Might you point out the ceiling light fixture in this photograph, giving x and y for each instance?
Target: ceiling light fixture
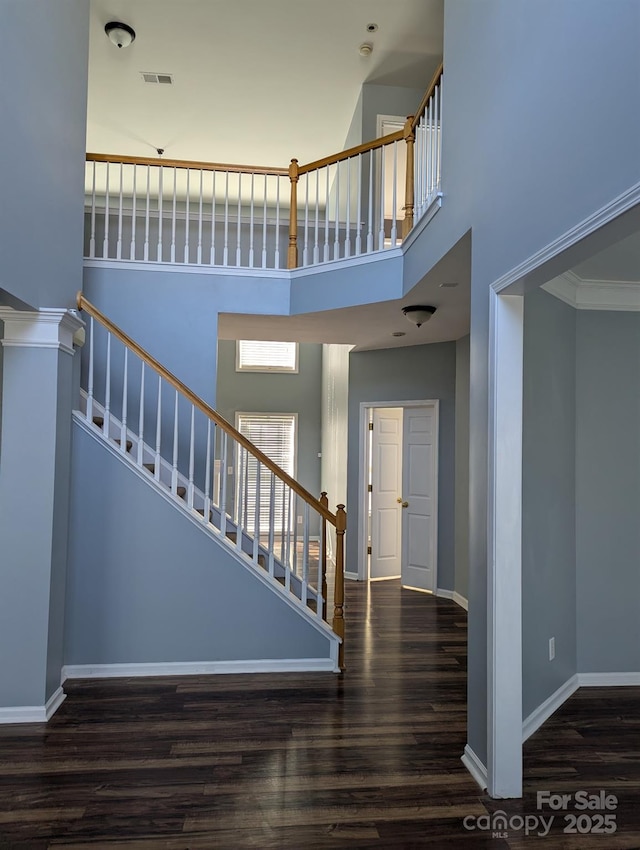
(418, 314)
(120, 34)
(366, 49)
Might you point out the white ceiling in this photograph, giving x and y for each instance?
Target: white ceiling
(620, 262)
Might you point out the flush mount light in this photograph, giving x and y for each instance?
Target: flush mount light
(120, 34)
(418, 313)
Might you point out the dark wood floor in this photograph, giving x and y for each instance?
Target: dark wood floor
(367, 760)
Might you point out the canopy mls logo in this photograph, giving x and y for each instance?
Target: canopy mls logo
(500, 824)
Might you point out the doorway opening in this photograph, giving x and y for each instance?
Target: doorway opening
(398, 534)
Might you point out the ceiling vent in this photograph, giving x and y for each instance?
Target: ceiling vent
(163, 79)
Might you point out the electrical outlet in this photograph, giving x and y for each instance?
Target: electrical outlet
(299, 520)
(230, 470)
(552, 648)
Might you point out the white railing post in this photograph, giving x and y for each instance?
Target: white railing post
(191, 458)
(174, 464)
(140, 453)
(90, 375)
(123, 424)
(156, 466)
(107, 390)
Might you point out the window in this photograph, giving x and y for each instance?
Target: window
(275, 435)
(254, 355)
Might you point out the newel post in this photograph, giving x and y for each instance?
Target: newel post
(292, 256)
(324, 501)
(338, 598)
(409, 200)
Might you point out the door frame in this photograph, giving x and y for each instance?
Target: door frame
(363, 439)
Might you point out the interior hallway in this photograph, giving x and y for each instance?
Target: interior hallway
(370, 759)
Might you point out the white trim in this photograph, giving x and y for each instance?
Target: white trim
(607, 213)
(454, 596)
(33, 713)
(45, 328)
(582, 294)
(608, 680)
(242, 558)
(188, 268)
(544, 711)
(363, 431)
(504, 546)
(351, 575)
(347, 262)
(423, 221)
(200, 668)
(475, 767)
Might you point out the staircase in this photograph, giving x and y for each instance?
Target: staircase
(208, 470)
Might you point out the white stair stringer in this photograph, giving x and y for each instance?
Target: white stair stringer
(293, 595)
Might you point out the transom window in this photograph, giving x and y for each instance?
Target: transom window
(256, 355)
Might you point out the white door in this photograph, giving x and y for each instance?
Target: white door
(419, 498)
(386, 479)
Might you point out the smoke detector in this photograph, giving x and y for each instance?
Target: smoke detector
(366, 49)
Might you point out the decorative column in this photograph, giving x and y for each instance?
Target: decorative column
(38, 392)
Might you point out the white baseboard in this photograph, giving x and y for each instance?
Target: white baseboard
(608, 680)
(200, 668)
(544, 711)
(475, 767)
(454, 596)
(33, 713)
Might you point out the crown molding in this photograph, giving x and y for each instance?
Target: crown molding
(584, 294)
(45, 328)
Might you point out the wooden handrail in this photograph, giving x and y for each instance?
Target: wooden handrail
(186, 163)
(316, 504)
(427, 95)
(339, 157)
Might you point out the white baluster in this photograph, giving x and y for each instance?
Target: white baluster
(187, 218)
(92, 237)
(429, 150)
(105, 239)
(325, 253)
(134, 198)
(206, 514)
(239, 223)
(382, 182)
(282, 530)
(172, 256)
(174, 466)
(276, 259)
(199, 250)
(141, 417)
(359, 208)
(240, 498)
(394, 198)
(251, 221)
(305, 551)
(316, 238)
(160, 212)
(119, 242)
(125, 393)
(225, 253)
(370, 224)
(191, 458)
(305, 249)
(107, 390)
(439, 136)
(347, 239)
(256, 514)
(146, 216)
(264, 222)
(286, 492)
(212, 255)
(293, 501)
(90, 376)
(156, 470)
(417, 173)
(224, 476)
(272, 520)
(336, 241)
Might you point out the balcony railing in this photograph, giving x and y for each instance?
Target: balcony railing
(356, 202)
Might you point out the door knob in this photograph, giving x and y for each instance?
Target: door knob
(405, 504)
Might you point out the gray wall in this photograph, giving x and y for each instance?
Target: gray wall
(43, 64)
(404, 374)
(145, 585)
(462, 468)
(260, 392)
(548, 497)
(608, 491)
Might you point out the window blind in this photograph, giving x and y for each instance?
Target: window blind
(254, 355)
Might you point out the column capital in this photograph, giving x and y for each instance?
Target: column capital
(45, 328)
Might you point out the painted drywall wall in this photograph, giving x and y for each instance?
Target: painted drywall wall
(461, 584)
(389, 100)
(335, 406)
(548, 497)
(519, 180)
(260, 392)
(403, 374)
(608, 491)
(43, 108)
(146, 585)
